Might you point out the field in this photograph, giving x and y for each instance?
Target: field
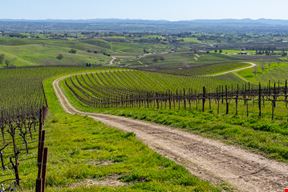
(182, 82)
(35, 52)
(265, 72)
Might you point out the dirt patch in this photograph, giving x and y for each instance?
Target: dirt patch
(111, 181)
(101, 163)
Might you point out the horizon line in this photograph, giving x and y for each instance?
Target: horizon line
(135, 19)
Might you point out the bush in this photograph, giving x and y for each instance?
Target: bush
(60, 57)
(73, 51)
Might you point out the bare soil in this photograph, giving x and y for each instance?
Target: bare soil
(112, 181)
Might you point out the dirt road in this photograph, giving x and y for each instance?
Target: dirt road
(112, 60)
(208, 159)
(233, 71)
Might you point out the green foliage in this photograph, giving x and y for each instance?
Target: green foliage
(60, 57)
(73, 51)
(265, 72)
(2, 58)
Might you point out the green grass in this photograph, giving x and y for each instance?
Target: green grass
(190, 40)
(186, 63)
(265, 72)
(236, 52)
(37, 54)
(31, 52)
(136, 48)
(207, 69)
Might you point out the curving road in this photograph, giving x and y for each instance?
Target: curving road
(112, 60)
(233, 71)
(208, 159)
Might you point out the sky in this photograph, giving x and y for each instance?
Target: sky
(143, 9)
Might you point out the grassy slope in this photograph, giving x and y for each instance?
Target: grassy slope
(76, 143)
(28, 52)
(37, 54)
(276, 71)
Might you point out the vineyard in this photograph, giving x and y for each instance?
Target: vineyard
(226, 108)
(22, 141)
(105, 85)
(23, 108)
(128, 88)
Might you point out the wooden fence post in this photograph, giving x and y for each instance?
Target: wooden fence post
(203, 99)
(218, 101)
(226, 98)
(169, 94)
(44, 167)
(236, 99)
(285, 93)
(39, 185)
(259, 100)
(274, 101)
(184, 98)
(40, 152)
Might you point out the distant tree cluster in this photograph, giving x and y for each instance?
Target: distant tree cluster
(145, 51)
(90, 51)
(284, 53)
(218, 51)
(4, 61)
(265, 51)
(92, 65)
(73, 51)
(60, 56)
(106, 54)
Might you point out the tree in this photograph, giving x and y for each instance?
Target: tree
(60, 57)
(73, 51)
(2, 58)
(7, 63)
(263, 67)
(255, 70)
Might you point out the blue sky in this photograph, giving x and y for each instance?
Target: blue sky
(143, 9)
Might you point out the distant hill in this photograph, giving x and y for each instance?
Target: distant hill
(151, 26)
